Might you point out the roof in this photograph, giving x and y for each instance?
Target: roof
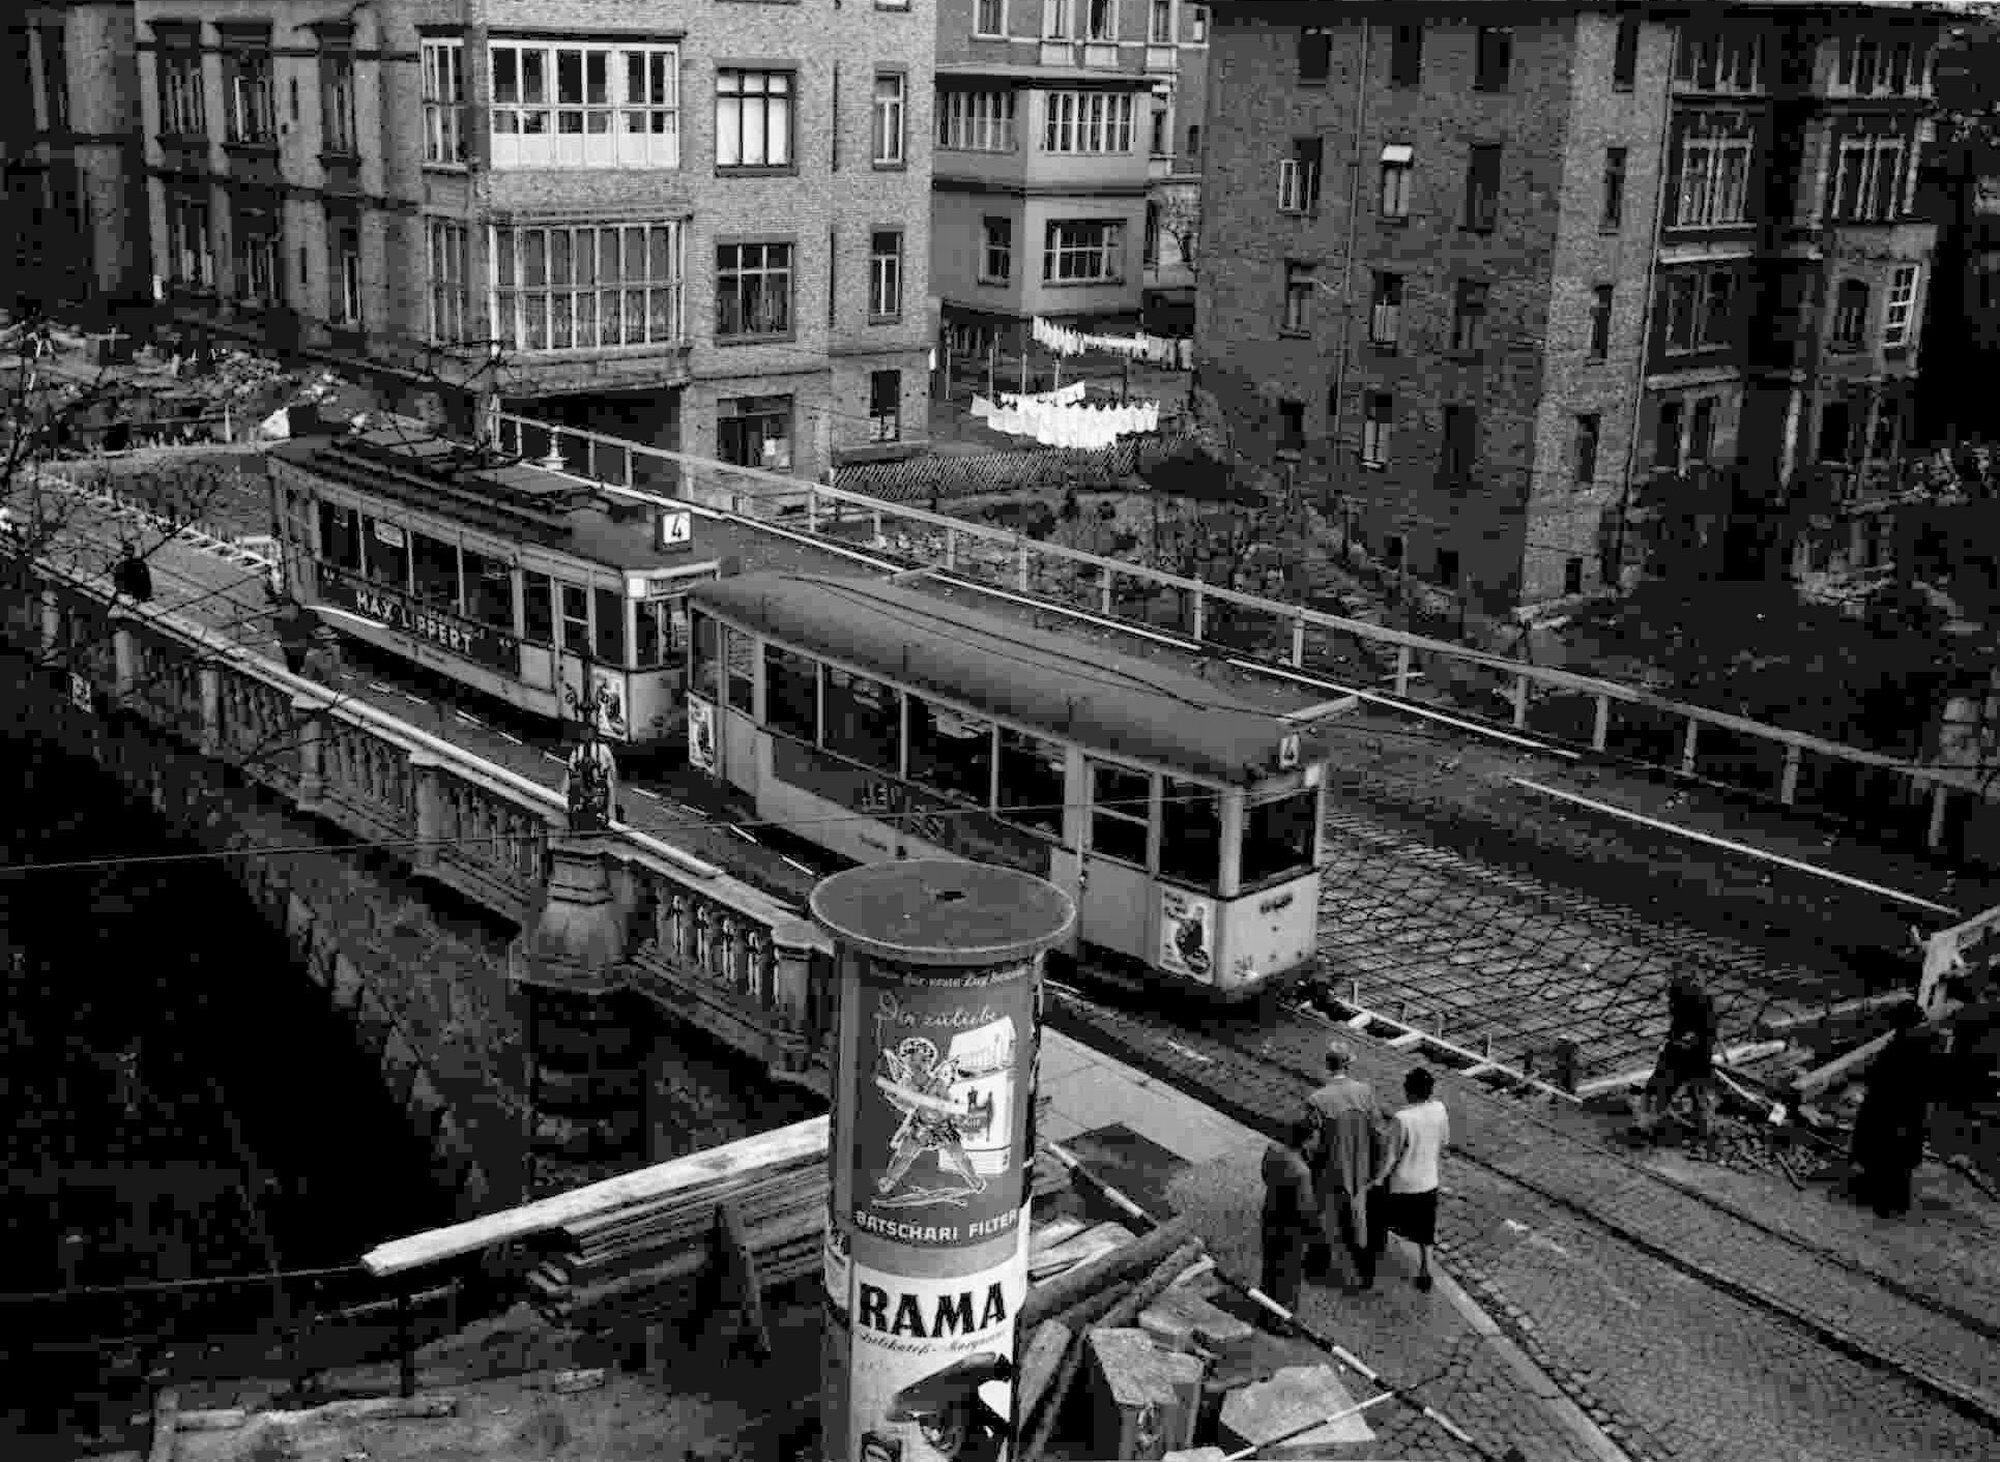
(1074, 688)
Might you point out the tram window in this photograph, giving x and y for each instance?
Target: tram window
(741, 648)
(436, 565)
(705, 657)
(1190, 833)
(388, 553)
(1278, 836)
(662, 630)
(1120, 812)
(489, 591)
(951, 753)
(1032, 781)
(791, 693)
(575, 617)
(864, 720)
(339, 541)
(610, 626)
(538, 608)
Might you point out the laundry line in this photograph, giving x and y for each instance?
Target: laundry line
(1071, 423)
(1153, 349)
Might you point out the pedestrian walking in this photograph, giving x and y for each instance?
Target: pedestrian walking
(1894, 1119)
(1687, 1061)
(1350, 1143)
(1291, 1211)
(1418, 1134)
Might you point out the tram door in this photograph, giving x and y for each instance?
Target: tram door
(1116, 893)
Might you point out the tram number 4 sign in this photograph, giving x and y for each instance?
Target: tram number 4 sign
(676, 529)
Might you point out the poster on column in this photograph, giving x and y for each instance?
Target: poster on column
(933, 1364)
(940, 1116)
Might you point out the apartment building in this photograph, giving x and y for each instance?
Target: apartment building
(69, 133)
(1067, 165)
(1587, 291)
(704, 225)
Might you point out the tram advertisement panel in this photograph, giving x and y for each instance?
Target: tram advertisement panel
(1187, 933)
(464, 638)
(701, 734)
(944, 1064)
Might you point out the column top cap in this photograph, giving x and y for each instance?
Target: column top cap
(943, 911)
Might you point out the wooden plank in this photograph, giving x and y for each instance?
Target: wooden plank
(1842, 1068)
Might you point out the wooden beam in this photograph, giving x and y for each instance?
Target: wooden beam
(1842, 1068)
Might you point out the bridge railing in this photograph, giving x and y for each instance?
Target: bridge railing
(1938, 806)
(742, 964)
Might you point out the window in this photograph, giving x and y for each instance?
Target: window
(659, 629)
(791, 693)
(610, 613)
(755, 431)
(1625, 53)
(1149, 244)
(1299, 285)
(996, 260)
(585, 288)
(387, 549)
(1900, 312)
(1160, 27)
(1161, 143)
(1378, 415)
(488, 589)
(247, 79)
(1055, 20)
(1190, 832)
(1836, 431)
(951, 752)
(1406, 55)
(538, 613)
(1086, 122)
(1714, 182)
(336, 102)
(1461, 432)
(183, 97)
(989, 18)
(885, 274)
(1279, 837)
(885, 406)
(1695, 62)
(1742, 67)
(1850, 315)
(585, 105)
(447, 253)
(1496, 56)
(1718, 304)
(1572, 576)
(976, 121)
(1315, 54)
(346, 284)
(1865, 182)
(1385, 311)
(1291, 426)
(339, 536)
(1588, 427)
(191, 257)
(55, 79)
(1392, 550)
(1447, 567)
(1701, 430)
(444, 103)
(1600, 322)
(1100, 20)
(1120, 812)
(258, 273)
(1899, 66)
(1032, 785)
(1482, 187)
(1858, 62)
(1298, 177)
(1614, 188)
(1083, 251)
(1468, 317)
(888, 135)
(753, 119)
(1198, 26)
(753, 289)
(864, 720)
(1667, 437)
(434, 571)
(1398, 165)
(1194, 140)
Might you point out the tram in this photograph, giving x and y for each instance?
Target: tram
(881, 721)
(525, 584)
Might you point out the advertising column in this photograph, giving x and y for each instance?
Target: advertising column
(930, 1154)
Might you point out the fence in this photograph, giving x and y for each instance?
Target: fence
(1027, 469)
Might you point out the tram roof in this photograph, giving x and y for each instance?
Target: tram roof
(1070, 687)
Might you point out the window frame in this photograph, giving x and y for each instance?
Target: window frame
(1315, 55)
(1299, 176)
(1721, 199)
(339, 121)
(183, 89)
(344, 294)
(1852, 306)
(1625, 54)
(1493, 57)
(736, 410)
(1301, 283)
(1406, 54)
(1378, 428)
(885, 424)
(989, 251)
(768, 75)
(980, 11)
(1385, 309)
(446, 98)
(448, 243)
(1396, 183)
(1482, 185)
(1063, 240)
(1252, 874)
(889, 121)
(1011, 745)
(250, 92)
(885, 275)
(1120, 817)
(977, 121)
(762, 269)
(617, 129)
(588, 293)
(1088, 123)
(1617, 160)
(1470, 301)
(1899, 307)
(1589, 442)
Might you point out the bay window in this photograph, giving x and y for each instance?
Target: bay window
(1087, 122)
(975, 121)
(1083, 251)
(588, 287)
(585, 105)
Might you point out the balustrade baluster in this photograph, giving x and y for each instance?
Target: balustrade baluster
(702, 936)
(759, 960)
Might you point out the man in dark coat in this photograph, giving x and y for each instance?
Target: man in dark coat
(1291, 1221)
(1894, 1119)
(1351, 1140)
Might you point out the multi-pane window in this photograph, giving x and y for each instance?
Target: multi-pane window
(1899, 314)
(753, 119)
(1377, 422)
(1711, 62)
(1667, 437)
(1083, 251)
(1291, 426)
(1625, 53)
(55, 78)
(336, 102)
(183, 97)
(885, 273)
(1398, 167)
(1714, 183)
(1468, 316)
(1100, 19)
(258, 268)
(251, 92)
(996, 256)
(1161, 144)
(989, 18)
(1589, 426)
(1867, 180)
(1385, 311)
(1198, 25)
(1406, 55)
(191, 256)
(756, 431)
(1160, 27)
(1715, 321)
(753, 289)
(345, 288)
(1056, 20)
(583, 288)
(1614, 188)
(1149, 243)
(1482, 187)
(1679, 296)
(1299, 287)
(1298, 176)
(885, 406)
(1495, 58)
(1087, 121)
(1600, 322)
(1864, 69)
(1315, 53)
(1850, 315)
(585, 105)
(1701, 430)
(976, 121)
(1461, 436)
(444, 102)
(888, 133)
(446, 242)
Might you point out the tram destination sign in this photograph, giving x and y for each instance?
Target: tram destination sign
(920, 814)
(468, 640)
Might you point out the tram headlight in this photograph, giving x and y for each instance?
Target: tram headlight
(635, 587)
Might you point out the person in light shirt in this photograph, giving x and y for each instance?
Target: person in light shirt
(1418, 1133)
